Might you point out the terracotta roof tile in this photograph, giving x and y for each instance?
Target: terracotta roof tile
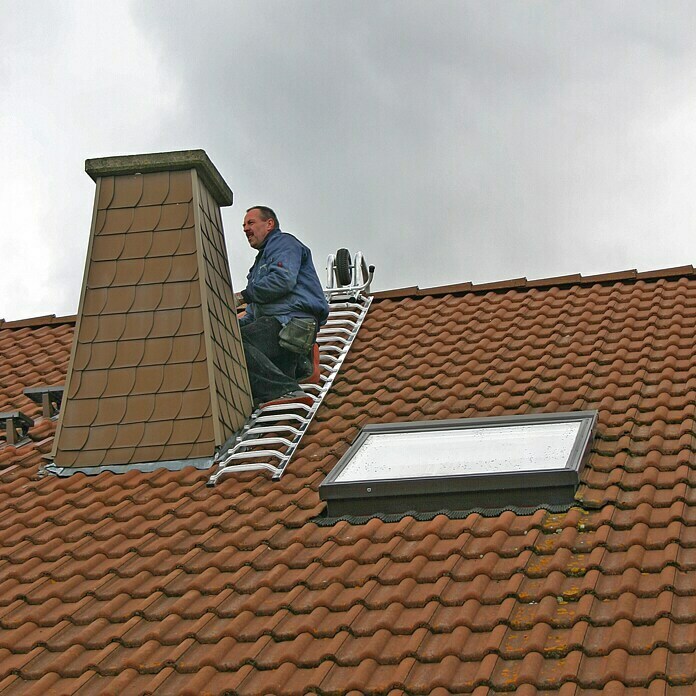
(154, 582)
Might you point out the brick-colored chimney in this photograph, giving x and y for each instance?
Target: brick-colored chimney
(157, 371)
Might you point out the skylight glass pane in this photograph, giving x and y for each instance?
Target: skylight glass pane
(461, 451)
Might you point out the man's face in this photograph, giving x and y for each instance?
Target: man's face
(256, 229)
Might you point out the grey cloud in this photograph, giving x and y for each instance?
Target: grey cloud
(447, 140)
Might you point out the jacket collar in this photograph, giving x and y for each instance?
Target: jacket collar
(272, 233)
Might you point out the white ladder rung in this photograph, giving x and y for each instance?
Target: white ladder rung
(260, 430)
(278, 418)
(257, 442)
(249, 455)
(334, 320)
(331, 339)
(340, 330)
(285, 407)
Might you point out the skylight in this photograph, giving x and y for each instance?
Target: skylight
(461, 464)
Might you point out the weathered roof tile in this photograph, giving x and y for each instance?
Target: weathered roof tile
(152, 581)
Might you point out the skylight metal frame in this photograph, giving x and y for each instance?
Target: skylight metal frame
(522, 488)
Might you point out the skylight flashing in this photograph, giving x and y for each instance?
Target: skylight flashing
(459, 464)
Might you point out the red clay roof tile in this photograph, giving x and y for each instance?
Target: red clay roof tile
(154, 582)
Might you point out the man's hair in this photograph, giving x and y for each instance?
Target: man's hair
(266, 214)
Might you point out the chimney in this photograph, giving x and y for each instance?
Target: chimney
(157, 371)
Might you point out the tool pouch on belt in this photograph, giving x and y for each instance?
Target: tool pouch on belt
(298, 335)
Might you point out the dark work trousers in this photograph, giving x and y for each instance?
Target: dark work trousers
(272, 369)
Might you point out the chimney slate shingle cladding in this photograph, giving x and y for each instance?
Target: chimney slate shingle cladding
(157, 370)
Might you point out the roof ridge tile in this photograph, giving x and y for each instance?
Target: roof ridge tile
(522, 282)
(32, 322)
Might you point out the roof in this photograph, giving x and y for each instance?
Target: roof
(155, 583)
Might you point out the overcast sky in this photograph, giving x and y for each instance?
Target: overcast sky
(448, 141)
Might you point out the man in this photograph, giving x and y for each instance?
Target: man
(285, 308)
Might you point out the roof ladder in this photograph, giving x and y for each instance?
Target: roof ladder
(271, 435)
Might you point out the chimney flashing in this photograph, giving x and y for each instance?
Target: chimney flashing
(200, 463)
(164, 162)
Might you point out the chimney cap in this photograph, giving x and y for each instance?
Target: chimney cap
(164, 162)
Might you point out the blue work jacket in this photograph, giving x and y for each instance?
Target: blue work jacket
(283, 282)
